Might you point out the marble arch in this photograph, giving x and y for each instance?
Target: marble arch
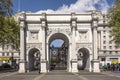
(79, 28)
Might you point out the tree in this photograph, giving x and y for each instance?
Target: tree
(114, 15)
(10, 33)
(9, 28)
(6, 7)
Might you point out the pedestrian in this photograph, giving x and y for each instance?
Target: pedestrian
(108, 66)
(119, 67)
(39, 68)
(116, 67)
(113, 67)
(104, 67)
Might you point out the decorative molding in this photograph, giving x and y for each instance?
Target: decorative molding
(58, 30)
(34, 45)
(83, 45)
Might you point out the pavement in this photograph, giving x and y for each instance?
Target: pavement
(60, 75)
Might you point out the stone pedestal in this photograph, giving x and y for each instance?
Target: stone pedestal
(43, 66)
(96, 66)
(22, 68)
(74, 66)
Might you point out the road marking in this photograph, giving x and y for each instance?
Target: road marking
(81, 77)
(39, 77)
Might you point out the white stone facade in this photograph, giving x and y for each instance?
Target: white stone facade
(81, 32)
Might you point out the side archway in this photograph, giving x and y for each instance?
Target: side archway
(33, 59)
(83, 58)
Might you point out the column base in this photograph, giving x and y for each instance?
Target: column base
(96, 66)
(43, 66)
(74, 66)
(22, 68)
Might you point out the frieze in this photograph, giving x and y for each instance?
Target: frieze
(64, 30)
(34, 45)
(59, 25)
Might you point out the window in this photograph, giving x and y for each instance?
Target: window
(103, 59)
(116, 47)
(103, 27)
(110, 42)
(110, 31)
(104, 32)
(116, 52)
(104, 42)
(104, 37)
(3, 54)
(110, 47)
(110, 52)
(104, 52)
(104, 47)
(110, 36)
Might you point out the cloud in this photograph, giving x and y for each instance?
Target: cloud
(81, 6)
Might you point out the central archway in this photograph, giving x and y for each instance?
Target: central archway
(58, 56)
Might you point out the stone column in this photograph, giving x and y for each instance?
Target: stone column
(22, 68)
(95, 43)
(43, 54)
(90, 65)
(73, 55)
(69, 66)
(47, 51)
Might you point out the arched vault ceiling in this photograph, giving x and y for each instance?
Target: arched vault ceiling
(59, 36)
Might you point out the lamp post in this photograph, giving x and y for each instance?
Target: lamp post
(12, 60)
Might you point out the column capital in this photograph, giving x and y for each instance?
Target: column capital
(22, 16)
(94, 16)
(94, 24)
(43, 21)
(73, 21)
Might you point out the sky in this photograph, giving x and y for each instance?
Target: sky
(38, 6)
(61, 5)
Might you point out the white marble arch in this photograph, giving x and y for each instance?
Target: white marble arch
(64, 24)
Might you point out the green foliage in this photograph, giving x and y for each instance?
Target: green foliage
(53, 59)
(114, 15)
(9, 28)
(6, 7)
(9, 32)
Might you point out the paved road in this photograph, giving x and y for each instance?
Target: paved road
(60, 75)
(20, 76)
(99, 76)
(82, 75)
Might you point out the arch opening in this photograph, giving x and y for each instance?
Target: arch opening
(34, 59)
(58, 52)
(83, 58)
